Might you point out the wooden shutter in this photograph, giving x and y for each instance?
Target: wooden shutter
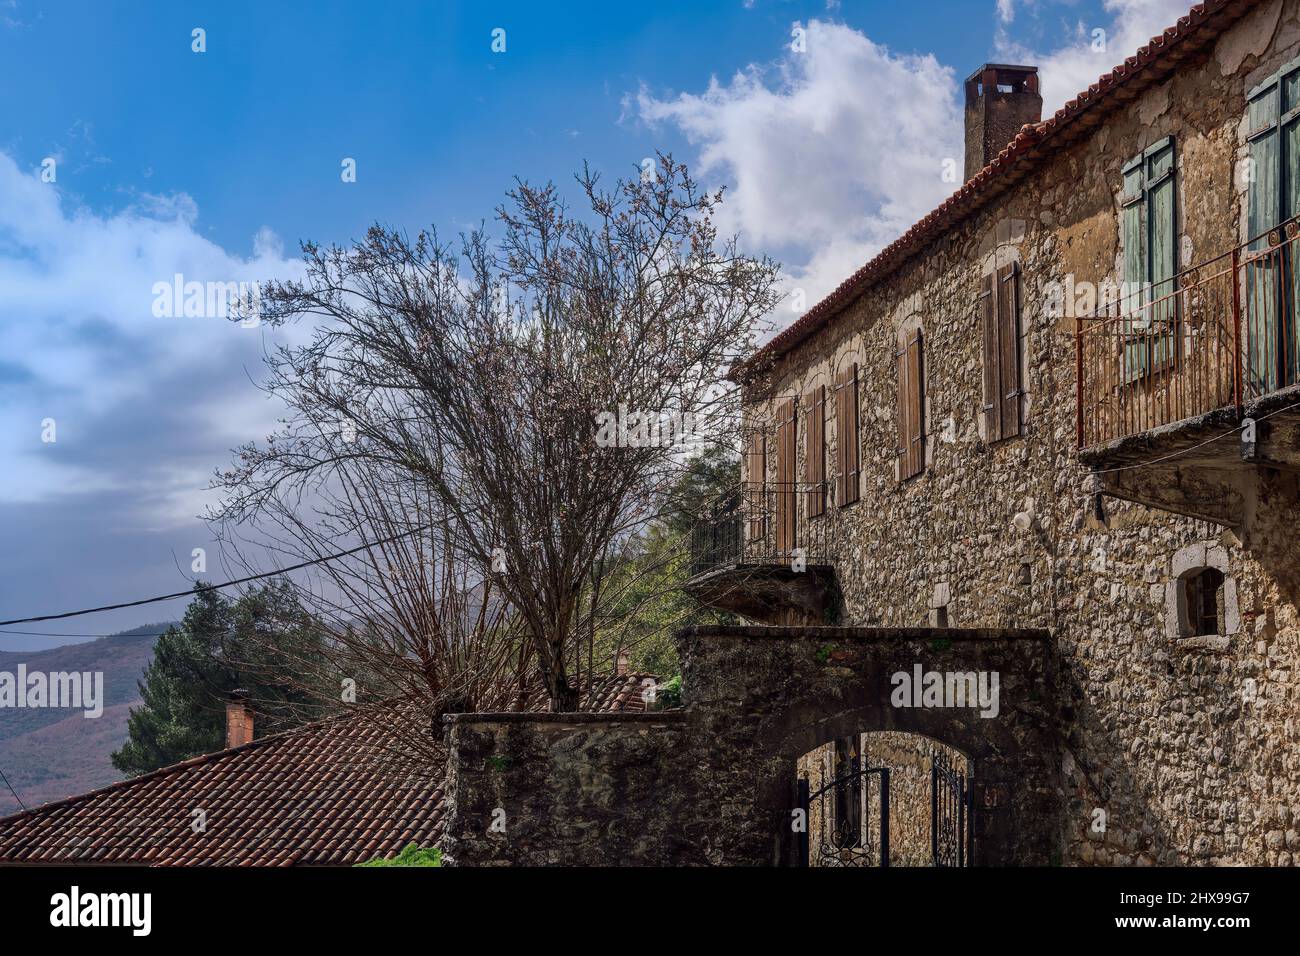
(1150, 239)
(1134, 237)
(1263, 113)
(911, 408)
(1159, 186)
(786, 501)
(1264, 212)
(1008, 296)
(756, 487)
(992, 356)
(815, 449)
(847, 453)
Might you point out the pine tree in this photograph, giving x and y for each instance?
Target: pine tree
(252, 642)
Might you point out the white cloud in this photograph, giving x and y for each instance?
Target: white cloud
(1070, 68)
(83, 346)
(828, 155)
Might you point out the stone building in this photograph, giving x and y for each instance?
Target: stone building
(1067, 400)
(1018, 512)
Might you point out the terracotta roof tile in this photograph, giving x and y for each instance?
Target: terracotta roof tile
(320, 794)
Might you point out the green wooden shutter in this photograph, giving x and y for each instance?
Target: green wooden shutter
(1263, 214)
(1264, 192)
(1134, 239)
(1162, 250)
(1150, 239)
(1289, 169)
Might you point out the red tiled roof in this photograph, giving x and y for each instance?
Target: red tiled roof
(1151, 64)
(320, 794)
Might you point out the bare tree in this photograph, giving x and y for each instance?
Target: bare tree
(542, 389)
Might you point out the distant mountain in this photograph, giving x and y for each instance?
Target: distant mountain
(48, 753)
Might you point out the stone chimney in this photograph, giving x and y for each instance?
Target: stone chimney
(239, 719)
(621, 664)
(1000, 99)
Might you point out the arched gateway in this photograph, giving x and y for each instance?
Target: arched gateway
(716, 783)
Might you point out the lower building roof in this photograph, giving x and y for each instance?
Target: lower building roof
(327, 793)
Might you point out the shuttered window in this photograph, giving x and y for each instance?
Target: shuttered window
(1273, 197)
(814, 439)
(911, 408)
(785, 493)
(1148, 233)
(999, 307)
(847, 452)
(756, 487)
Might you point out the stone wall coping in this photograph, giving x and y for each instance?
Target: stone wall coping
(761, 632)
(662, 718)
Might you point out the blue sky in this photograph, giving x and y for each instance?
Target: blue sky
(215, 164)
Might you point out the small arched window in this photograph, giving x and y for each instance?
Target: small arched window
(1203, 594)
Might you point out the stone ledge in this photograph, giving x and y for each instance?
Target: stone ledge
(761, 632)
(663, 717)
(1203, 644)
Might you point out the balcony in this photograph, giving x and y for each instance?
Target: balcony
(765, 553)
(1183, 394)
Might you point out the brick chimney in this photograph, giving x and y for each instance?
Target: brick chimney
(999, 100)
(239, 719)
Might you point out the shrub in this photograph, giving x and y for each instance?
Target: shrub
(411, 856)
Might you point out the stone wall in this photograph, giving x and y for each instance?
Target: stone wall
(716, 782)
(1174, 751)
(569, 790)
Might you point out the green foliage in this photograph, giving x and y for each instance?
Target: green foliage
(644, 584)
(669, 693)
(411, 856)
(252, 642)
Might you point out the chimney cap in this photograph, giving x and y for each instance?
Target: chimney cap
(1001, 68)
(239, 693)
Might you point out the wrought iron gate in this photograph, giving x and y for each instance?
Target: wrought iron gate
(837, 820)
(952, 803)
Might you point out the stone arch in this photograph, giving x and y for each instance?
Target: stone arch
(768, 695)
(714, 782)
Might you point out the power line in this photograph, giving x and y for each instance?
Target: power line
(57, 634)
(12, 790)
(217, 587)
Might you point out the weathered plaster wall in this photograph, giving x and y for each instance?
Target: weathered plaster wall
(1191, 749)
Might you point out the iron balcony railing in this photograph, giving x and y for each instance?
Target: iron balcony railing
(767, 524)
(1219, 334)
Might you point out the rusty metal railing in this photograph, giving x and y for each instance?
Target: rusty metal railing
(1216, 335)
(762, 524)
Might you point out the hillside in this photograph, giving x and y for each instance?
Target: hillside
(48, 753)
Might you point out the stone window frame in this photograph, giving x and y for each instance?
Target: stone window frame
(1186, 563)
